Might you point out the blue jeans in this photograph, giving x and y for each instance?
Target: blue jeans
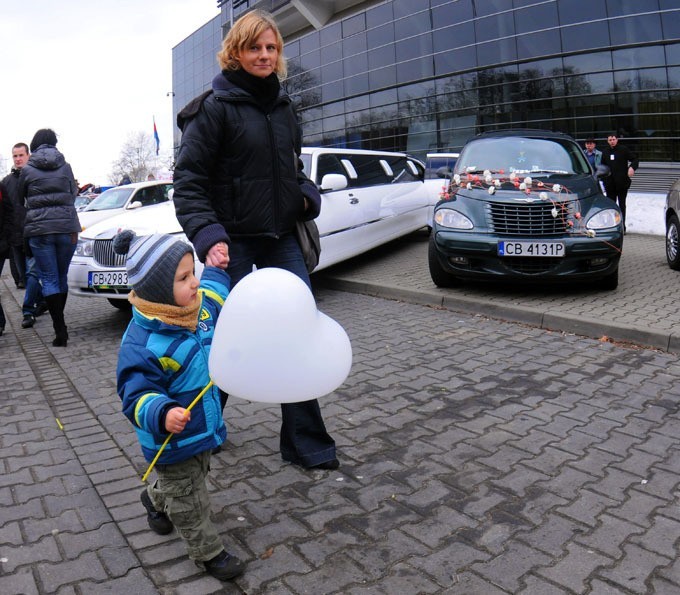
(304, 439)
(33, 295)
(53, 253)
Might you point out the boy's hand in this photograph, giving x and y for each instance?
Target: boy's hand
(218, 256)
(176, 419)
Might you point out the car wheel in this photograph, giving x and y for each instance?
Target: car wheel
(120, 304)
(440, 277)
(673, 243)
(610, 282)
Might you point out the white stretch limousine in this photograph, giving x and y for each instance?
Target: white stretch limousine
(368, 198)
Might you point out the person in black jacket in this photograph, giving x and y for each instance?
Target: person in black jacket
(51, 226)
(239, 188)
(34, 303)
(622, 163)
(5, 229)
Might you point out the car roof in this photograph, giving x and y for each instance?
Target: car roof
(143, 184)
(530, 132)
(312, 150)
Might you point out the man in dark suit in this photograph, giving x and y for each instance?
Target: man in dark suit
(622, 162)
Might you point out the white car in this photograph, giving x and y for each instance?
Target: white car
(367, 199)
(124, 198)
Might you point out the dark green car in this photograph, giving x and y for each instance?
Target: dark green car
(525, 205)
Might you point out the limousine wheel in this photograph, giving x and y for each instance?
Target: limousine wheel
(610, 282)
(440, 277)
(120, 304)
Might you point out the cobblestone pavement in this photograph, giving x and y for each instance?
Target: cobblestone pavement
(478, 457)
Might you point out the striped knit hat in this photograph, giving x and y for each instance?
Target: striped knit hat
(151, 263)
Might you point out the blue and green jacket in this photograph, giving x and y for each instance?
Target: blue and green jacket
(162, 366)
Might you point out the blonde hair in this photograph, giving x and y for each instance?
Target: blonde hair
(243, 34)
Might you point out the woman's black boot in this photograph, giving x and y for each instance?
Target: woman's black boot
(55, 305)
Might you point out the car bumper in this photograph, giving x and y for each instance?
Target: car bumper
(78, 272)
(475, 256)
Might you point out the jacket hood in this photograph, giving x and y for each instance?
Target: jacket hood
(47, 157)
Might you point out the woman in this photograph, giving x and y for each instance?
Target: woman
(239, 188)
(51, 227)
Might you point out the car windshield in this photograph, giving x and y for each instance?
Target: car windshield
(115, 198)
(538, 156)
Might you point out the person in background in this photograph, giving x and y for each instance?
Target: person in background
(51, 228)
(239, 188)
(162, 368)
(34, 303)
(593, 156)
(5, 225)
(622, 163)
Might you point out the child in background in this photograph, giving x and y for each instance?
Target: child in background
(162, 367)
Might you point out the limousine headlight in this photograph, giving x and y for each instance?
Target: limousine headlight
(453, 219)
(604, 219)
(84, 247)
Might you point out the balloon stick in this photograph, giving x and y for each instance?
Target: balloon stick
(158, 454)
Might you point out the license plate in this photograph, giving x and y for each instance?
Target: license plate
(551, 249)
(107, 279)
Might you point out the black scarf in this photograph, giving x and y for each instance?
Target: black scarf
(264, 90)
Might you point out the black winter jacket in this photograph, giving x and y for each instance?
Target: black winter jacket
(48, 185)
(5, 221)
(238, 172)
(11, 184)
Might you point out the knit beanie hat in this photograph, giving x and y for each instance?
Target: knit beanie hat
(151, 263)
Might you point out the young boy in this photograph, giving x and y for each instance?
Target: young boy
(162, 367)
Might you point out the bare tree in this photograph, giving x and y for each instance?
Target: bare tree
(137, 159)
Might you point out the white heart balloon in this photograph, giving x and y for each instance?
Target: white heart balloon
(272, 345)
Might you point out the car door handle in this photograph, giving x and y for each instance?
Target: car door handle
(354, 201)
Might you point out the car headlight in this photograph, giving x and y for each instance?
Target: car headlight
(604, 219)
(452, 219)
(84, 247)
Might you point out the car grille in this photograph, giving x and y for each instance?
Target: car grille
(531, 266)
(105, 256)
(535, 220)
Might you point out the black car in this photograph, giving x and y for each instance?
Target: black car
(525, 205)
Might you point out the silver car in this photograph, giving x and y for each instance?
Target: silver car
(672, 215)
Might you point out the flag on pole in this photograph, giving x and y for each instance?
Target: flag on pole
(155, 136)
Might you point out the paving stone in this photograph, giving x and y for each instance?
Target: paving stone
(632, 571)
(573, 569)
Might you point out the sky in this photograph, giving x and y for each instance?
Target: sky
(96, 72)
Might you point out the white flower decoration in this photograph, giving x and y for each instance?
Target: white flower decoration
(469, 186)
(528, 181)
(497, 183)
(487, 173)
(488, 179)
(456, 179)
(492, 190)
(590, 233)
(556, 188)
(523, 186)
(471, 168)
(543, 196)
(513, 175)
(554, 213)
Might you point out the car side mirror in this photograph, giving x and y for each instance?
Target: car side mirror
(602, 171)
(135, 204)
(443, 172)
(332, 182)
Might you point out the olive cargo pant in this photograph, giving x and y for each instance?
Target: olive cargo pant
(181, 492)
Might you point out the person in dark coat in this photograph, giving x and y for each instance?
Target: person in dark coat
(622, 163)
(51, 227)
(34, 303)
(239, 188)
(5, 231)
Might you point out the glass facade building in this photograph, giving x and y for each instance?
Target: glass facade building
(425, 75)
